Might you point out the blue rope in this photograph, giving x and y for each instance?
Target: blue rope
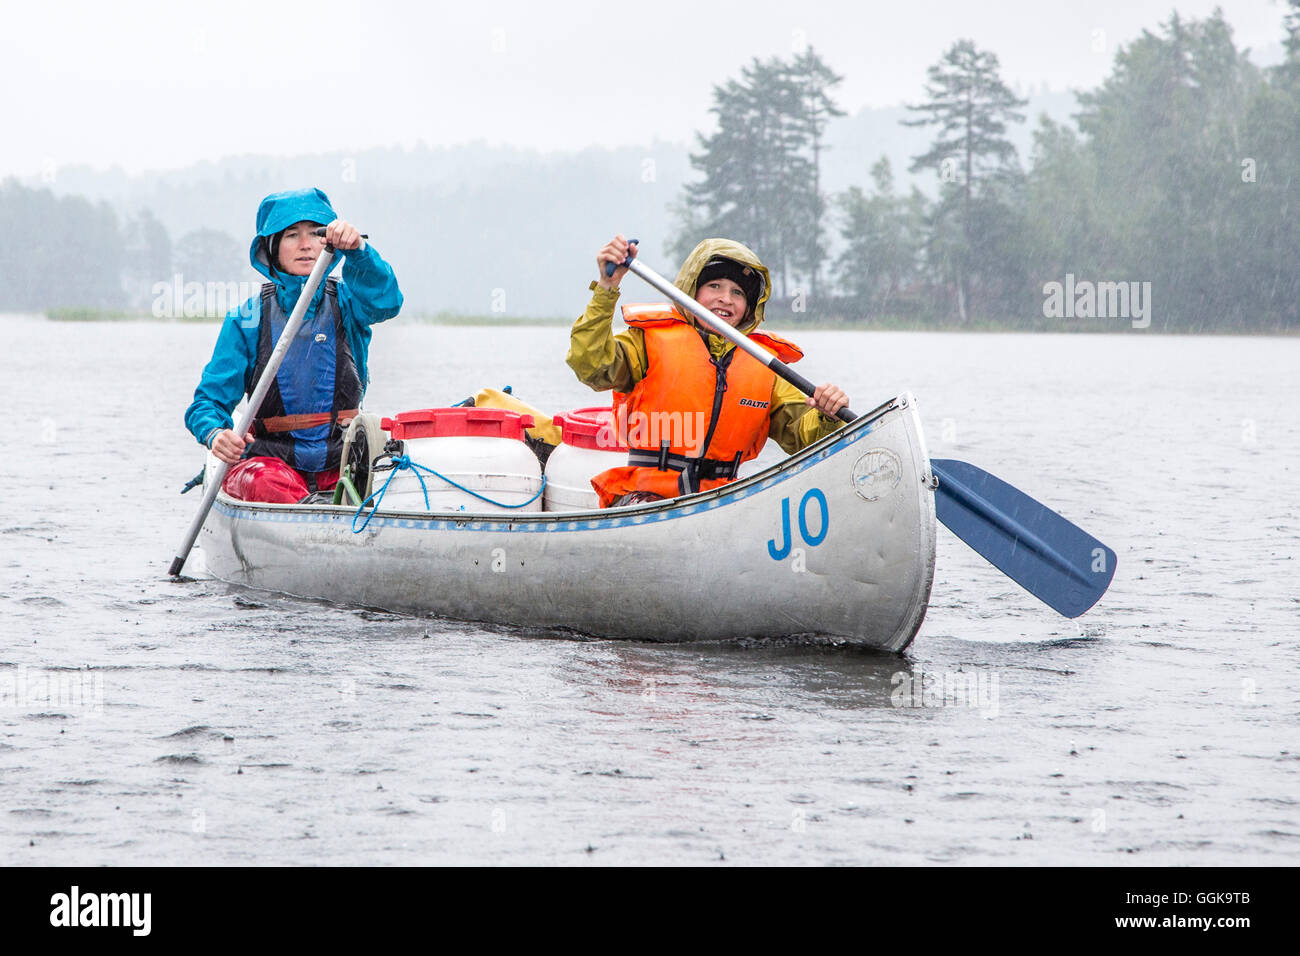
(404, 461)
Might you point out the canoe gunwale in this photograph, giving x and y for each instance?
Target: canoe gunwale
(595, 518)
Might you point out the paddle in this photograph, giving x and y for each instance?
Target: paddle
(322, 266)
(1053, 559)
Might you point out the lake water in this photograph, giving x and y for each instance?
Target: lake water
(144, 721)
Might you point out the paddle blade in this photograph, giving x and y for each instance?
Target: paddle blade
(1053, 559)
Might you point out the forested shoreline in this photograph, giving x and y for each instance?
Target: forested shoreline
(1168, 204)
(1172, 205)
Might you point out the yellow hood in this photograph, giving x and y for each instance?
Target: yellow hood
(689, 274)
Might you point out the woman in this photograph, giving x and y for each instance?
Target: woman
(693, 405)
(294, 446)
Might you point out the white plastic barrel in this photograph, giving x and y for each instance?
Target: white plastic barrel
(480, 449)
(587, 447)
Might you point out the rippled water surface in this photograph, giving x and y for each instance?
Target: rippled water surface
(145, 721)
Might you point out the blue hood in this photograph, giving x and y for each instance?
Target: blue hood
(278, 212)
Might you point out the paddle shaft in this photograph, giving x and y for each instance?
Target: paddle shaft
(715, 324)
(323, 262)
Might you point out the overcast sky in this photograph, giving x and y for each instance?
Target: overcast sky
(147, 85)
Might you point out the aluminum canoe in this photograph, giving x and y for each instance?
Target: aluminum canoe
(833, 543)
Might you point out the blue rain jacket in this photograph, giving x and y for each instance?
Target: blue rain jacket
(367, 294)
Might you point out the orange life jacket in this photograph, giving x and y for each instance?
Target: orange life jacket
(691, 420)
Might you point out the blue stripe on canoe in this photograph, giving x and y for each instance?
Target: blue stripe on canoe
(252, 511)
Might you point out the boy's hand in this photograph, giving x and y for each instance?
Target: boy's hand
(616, 251)
(828, 399)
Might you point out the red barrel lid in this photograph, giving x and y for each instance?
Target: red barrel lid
(589, 428)
(458, 423)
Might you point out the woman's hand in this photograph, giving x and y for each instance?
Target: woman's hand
(341, 234)
(616, 251)
(229, 447)
(828, 399)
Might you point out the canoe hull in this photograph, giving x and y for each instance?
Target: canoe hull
(836, 542)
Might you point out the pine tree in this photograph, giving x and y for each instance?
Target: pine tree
(743, 163)
(971, 106)
(813, 80)
(1165, 140)
(881, 233)
(759, 169)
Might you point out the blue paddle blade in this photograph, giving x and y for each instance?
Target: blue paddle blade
(1053, 559)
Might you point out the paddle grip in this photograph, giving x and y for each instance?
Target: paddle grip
(320, 231)
(610, 266)
(798, 381)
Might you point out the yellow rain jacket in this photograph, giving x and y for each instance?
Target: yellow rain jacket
(604, 360)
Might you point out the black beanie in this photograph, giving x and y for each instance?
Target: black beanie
(750, 280)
